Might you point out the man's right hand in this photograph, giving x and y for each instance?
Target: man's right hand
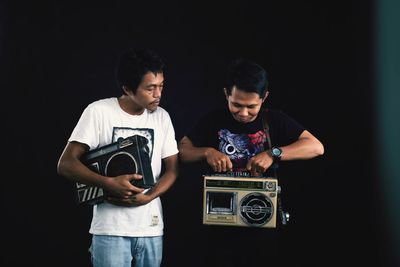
(120, 186)
(218, 161)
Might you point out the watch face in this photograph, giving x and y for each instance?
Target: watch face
(276, 152)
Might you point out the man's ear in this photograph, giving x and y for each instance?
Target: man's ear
(265, 97)
(226, 93)
(126, 89)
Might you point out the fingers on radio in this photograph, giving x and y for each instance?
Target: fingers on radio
(222, 165)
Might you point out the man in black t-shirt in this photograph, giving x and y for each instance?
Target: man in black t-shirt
(237, 143)
(237, 139)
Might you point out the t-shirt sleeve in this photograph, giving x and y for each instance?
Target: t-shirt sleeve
(286, 130)
(170, 146)
(84, 131)
(201, 130)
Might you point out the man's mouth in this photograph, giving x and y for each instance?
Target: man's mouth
(243, 119)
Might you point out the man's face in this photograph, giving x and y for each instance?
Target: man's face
(244, 106)
(148, 93)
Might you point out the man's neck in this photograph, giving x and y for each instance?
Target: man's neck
(129, 106)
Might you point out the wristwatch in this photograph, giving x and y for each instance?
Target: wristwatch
(276, 153)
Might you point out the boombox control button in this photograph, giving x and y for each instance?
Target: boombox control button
(271, 186)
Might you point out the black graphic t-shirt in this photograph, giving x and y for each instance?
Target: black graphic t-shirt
(218, 129)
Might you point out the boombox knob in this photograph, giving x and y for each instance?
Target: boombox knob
(287, 215)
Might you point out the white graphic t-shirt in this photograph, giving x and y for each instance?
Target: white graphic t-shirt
(104, 122)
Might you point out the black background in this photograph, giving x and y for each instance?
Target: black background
(58, 56)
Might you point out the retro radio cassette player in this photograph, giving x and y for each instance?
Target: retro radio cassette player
(125, 156)
(240, 201)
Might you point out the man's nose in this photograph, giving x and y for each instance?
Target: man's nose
(157, 92)
(243, 112)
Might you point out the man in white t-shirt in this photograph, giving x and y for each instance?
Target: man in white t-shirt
(127, 227)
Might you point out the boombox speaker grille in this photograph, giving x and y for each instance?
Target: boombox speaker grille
(256, 209)
(120, 163)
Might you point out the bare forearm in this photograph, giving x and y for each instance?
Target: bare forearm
(306, 147)
(165, 183)
(167, 179)
(70, 166)
(74, 170)
(190, 153)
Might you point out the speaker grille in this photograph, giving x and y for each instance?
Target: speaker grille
(256, 209)
(120, 163)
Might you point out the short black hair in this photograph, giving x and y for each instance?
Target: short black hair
(134, 63)
(247, 76)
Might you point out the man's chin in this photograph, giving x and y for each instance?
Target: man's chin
(243, 120)
(152, 108)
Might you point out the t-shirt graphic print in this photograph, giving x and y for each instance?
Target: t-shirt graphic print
(241, 147)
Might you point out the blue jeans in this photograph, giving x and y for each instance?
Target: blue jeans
(120, 251)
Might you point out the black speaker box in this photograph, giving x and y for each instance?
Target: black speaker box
(126, 156)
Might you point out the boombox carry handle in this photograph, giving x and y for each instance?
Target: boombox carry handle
(284, 216)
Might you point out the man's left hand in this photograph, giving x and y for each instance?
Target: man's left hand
(130, 201)
(259, 163)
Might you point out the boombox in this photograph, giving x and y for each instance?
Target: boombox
(240, 201)
(126, 156)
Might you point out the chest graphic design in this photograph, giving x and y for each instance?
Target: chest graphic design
(123, 132)
(241, 147)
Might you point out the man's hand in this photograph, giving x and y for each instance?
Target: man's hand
(130, 201)
(218, 161)
(122, 193)
(258, 164)
(121, 187)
